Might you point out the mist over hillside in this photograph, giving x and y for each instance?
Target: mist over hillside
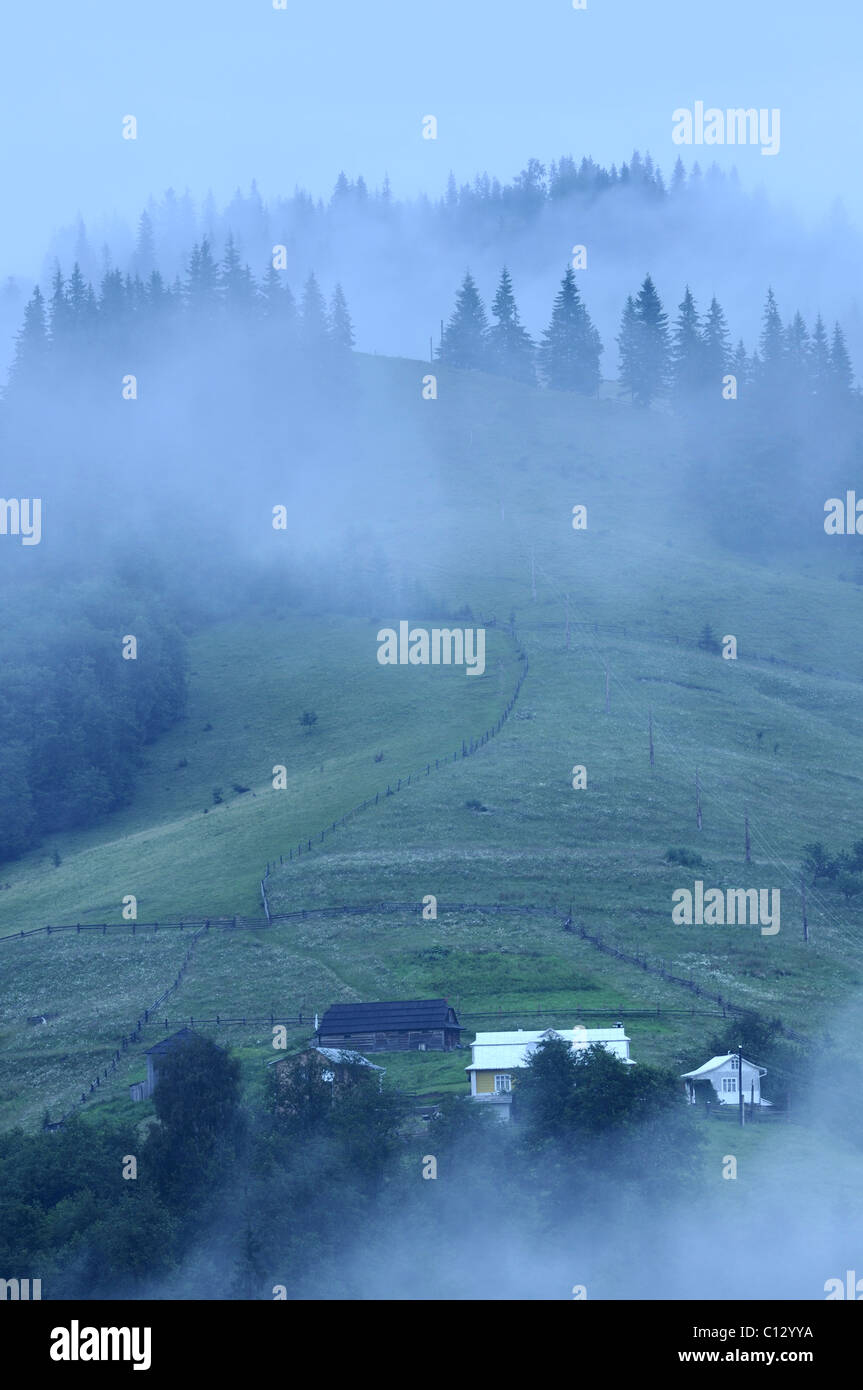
(401, 259)
(431, 747)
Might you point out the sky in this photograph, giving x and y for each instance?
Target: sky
(226, 91)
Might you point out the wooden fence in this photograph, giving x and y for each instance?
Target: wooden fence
(468, 747)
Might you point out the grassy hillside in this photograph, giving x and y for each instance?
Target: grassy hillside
(474, 495)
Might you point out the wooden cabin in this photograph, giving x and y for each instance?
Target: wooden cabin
(407, 1025)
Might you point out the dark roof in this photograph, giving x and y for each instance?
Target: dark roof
(175, 1040)
(401, 1014)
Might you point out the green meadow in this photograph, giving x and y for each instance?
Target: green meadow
(476, 491)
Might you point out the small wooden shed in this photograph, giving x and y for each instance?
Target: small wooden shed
(142, 1090)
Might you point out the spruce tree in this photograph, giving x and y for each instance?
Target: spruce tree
(645, 352)
(465, 338)
(144, 258)
(341, 330)
(678, 177)
(570, 349)
(687, 352)
(819, 356)
(798, 357)
(59, 313)
(276, 300)
(202, 283)
(740, 367)
(511, 349)
(113, 318)
(31, 345)
(237, 285)
(771, 373)
(716, 350)
(76, 297)
(841, 373)
(314, 334)
(627, 342)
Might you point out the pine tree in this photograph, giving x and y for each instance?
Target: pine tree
(772, 348)
(112, 300)
(59, 313)
(276, 300)
(313, 318)
(342, 189)
(202, 283)
(798, 357)
(841, 373)
(144, 259)
(511, 349)
(465, 338)
(644, 343)
(570, 349)
(740, 367)
(820, 360)
(237, 285)
(31, 344)
(716, 348)
(79, 300)
(627, 342)
(678, 177)
(687, 351)
(339, 324)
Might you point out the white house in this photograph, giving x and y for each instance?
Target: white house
(497, 1057)
(723, 1073)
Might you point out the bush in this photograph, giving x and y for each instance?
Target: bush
(708, 641)
(686, 857)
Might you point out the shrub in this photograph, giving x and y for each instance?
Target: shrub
(685, 857)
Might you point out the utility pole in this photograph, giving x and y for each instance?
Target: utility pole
(650, 734)
(805, 922)
(746, 837)
(740, 1079)
(697, 800)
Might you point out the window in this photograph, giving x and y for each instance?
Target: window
(502, 1083)
(735, 1063)
(729, 1083)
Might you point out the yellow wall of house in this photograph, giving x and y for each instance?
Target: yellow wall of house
(485, 1082)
